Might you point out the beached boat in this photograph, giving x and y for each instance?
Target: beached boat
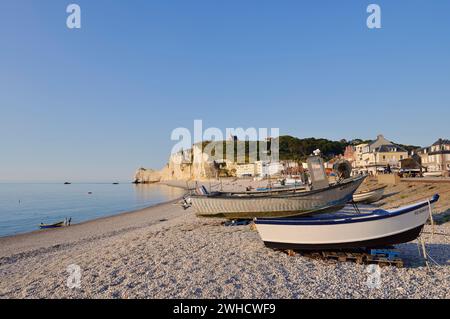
(280, 203)
(342, 230)
(369, 196)
(55, 225)
(432, 174)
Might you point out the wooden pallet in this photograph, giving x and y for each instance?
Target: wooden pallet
(361, 257)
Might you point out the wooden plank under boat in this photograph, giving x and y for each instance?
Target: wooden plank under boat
(278, 204)
(369, 196)
(378, 228)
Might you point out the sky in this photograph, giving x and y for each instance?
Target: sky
(96, 103)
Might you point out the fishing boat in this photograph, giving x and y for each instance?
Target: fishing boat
(432, 174)
(341, 230)
(55, 225)
(281, 203)
(369, 196)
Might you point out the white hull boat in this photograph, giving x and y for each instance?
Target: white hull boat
(277, 204)
(378, 228)
(369, 196)
(432, 174)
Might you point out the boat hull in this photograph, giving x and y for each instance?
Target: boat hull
(432, 174)
(56, 225)
(380, 228)
(369, 197)
(277, 205)
(395, 239)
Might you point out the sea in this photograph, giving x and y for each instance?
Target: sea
(23, 206)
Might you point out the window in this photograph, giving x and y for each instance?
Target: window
(401, 157)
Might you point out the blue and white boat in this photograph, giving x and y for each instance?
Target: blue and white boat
(347, 230)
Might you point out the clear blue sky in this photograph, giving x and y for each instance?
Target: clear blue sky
(96, 103)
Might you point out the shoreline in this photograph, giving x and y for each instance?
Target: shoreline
(124, 212)
(85, 229)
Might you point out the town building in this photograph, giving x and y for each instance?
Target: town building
(436, 158)
(350, 154)
(266, 169)
(245, 170)
(291, 167)
(259, 168)
(358, 155)
(378, 156)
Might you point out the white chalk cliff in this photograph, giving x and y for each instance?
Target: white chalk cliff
(181, 166)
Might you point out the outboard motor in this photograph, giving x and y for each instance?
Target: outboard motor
(343, 169)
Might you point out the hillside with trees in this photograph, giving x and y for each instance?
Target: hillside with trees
(298, 149)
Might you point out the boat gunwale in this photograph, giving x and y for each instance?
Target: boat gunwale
(286, 194)
(371, 191)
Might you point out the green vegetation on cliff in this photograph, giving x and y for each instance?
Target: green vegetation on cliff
(293, 148)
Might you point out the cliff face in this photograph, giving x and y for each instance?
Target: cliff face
(180, 167)
(145, 176)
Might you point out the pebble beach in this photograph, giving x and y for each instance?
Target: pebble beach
(167, 252)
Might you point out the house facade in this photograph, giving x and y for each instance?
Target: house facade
(378, 155)
(243, 170)
(350, 154)
(358, 155)
(259, 168)
(265, 169)
(436, 158)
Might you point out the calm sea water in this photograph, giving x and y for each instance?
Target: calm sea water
(24, 206)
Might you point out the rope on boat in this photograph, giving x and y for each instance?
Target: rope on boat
(430, 210)
(421, 242)
(425, 255)
(434, 261)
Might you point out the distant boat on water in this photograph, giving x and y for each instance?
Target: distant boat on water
(115, 183)
(67, 183)
(55, 225)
